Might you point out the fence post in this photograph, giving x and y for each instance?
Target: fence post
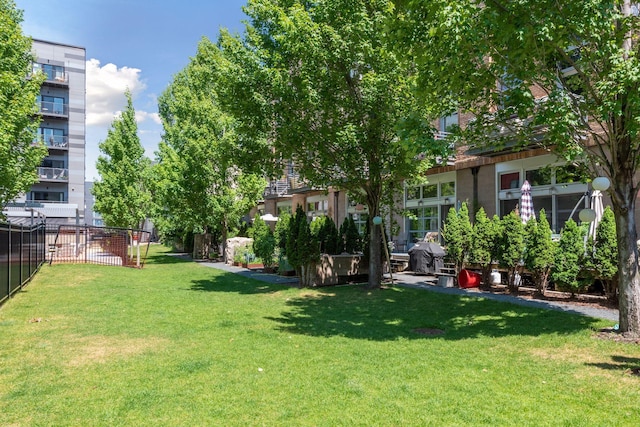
(9, 262)
(31, 229)
(86, 242)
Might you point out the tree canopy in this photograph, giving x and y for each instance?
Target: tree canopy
(206, 178)
(564, 75)
(19, 88)
(122, 194)
(322, 83)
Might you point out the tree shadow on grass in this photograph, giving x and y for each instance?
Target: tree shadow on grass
(408, 313)
(168, 258)
(232, 282)
(620, 363)
(389, 314)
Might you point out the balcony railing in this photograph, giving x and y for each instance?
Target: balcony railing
(53, 174)
(441, 135)
(54, 141)
(55, 109)
(54, 74)
(277, 188)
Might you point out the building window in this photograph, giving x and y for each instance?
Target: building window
(557, 190)
(447, 189)
(430, 191)
(318, 208)
(53, 72)
(53, 137)
(46, 196)
(540, 176)
(51, 104)
(51, 163)
(413, 193)
(509, 180)
(448, 123)
(360, 220)
(568, 174)
(422, 221)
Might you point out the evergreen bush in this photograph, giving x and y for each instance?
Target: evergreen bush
(511, 248)
(264, 242)
(458, 232)
(303, 249)
(539, 250)
(568, 258)
(349, 239)
(484, 245)
(605, 254)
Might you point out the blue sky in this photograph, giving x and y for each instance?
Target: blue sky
(138, 44)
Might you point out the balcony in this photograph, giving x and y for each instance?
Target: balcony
(55, 75)
(276, 188)
(53, 174)
(57, 142)
(53, 109)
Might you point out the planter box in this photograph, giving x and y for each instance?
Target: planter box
(337, 269)
(252, 265)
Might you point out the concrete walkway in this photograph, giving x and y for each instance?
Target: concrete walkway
(408, 279)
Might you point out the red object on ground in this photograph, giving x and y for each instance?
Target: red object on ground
(469, 279)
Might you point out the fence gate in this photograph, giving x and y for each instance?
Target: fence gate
(83, 244)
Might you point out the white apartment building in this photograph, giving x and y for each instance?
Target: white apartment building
(59, 195)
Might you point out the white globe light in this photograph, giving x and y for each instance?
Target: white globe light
(601, 183)
(377, 220)
(587, 215)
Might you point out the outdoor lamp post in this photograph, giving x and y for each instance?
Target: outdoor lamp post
(601, 184)
(587, 215)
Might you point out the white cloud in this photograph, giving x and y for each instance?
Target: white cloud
(141, 116)
(105, 100)
(106, 86)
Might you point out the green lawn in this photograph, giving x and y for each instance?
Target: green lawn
(180, 344)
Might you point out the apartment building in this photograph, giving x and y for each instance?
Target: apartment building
(59, 195)
(483, 177)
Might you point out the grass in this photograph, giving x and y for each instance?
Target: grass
(181, 344)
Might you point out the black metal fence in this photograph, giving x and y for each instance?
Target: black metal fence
(22, 252)
(84, 244)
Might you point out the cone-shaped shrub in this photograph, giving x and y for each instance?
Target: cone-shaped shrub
(511, 247)
(569, 257)
(539, 250)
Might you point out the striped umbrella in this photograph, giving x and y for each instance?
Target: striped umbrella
(526, 203)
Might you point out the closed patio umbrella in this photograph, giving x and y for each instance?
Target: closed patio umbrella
(598, 209)
(526, 203)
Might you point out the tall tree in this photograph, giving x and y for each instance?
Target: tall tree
(19, 89)
(122, 195)
(321, 82)
(581, 54)
(205, 182)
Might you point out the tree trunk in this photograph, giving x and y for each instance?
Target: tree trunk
(375, 255)
(224, 241)
(486, 276)
(629, 300)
